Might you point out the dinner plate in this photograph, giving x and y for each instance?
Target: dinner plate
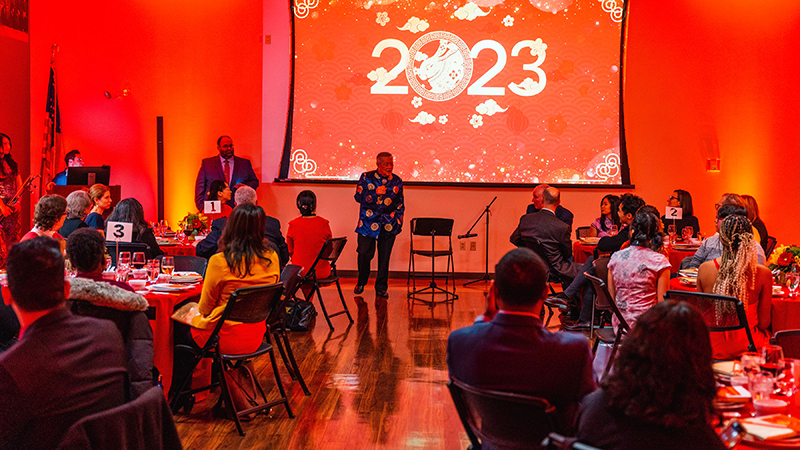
(168, 287)
(792, 442)
(590, 240)
(685, 247)
(728, 406)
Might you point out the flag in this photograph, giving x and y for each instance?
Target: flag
(51, 146)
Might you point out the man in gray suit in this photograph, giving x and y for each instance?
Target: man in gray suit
(552, 233)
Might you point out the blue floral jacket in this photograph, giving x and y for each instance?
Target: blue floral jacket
(379, 210)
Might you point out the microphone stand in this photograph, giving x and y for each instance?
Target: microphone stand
(486, 212)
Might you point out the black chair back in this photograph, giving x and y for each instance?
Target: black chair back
(533, 244)
(604, 298)
(133, 247)
(790, 341)
(431, 226)
(582, 232)
(771, 244)
(252, 304)
(290, 279)
(330, 251)
(720, 312)
(502, 419)
(186, 263)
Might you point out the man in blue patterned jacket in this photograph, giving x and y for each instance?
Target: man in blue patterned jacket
(380, 194)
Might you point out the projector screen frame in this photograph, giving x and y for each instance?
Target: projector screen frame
(623, 151)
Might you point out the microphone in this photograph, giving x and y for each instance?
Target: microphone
(467, 236)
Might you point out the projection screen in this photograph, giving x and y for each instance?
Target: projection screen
(490, 91)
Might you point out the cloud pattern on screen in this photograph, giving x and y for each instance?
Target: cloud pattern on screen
(489, 91)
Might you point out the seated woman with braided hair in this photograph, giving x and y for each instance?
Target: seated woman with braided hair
(738, 274)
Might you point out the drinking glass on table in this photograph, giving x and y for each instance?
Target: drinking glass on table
(168, 265)
(138, 260)
(761, 385)
(672, 230)
(124, 259)
(613, 231)
(751, 363)
(788, 380)
(153, 269)
(771, 358)
(793, 281)
(687, 233)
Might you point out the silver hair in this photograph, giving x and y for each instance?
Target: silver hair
(245, 194)
(77, 202)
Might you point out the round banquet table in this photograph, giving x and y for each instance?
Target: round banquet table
(178, 249)
(582, 251)
(162, 305)
(785, 310)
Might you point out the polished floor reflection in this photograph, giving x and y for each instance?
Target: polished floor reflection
(378, 384)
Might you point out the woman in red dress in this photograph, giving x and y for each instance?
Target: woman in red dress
(10, 181)
(306, 236)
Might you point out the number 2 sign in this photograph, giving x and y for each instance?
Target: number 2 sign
(673, 213)
(119, 231)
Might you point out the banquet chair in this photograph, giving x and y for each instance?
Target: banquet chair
(433, 227)
(555, 441)
(185, 263)
(330, 252)
(133, 247)
(551, 303)
(246, 305)
(502, 419)
(720, 312)
(771, 244)
(601, 302)
(607, 335)
(142, 424)
(789, 340)
(582, 232)
(276, 323)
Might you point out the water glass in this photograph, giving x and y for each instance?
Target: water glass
(153, 269)
(167, 265)
(109, 262)
(751, 363)
(687, 233)
(123, 271)
(761, 385)
(788, 379)
(771, 359)
(613, 231)
(124, 259)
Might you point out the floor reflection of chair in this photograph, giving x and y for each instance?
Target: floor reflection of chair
(433, 227)
(330, 252)
(426, 332)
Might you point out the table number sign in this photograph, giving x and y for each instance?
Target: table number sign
(673, 213)
(212, 207)
(119, 231)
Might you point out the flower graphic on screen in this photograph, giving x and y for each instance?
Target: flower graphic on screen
(416, 102)
(383, 18)
(508, 21)
(489, 108)
(538, 47)
(476, 121)
(415, 25)
(424, 118)
(470, 12)
(443, 119)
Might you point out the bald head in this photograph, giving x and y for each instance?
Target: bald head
(551, 197)
(538, 195)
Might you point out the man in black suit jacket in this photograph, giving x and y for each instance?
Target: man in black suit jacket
(508, 349)
(240, 172)
(64, 367)
(562, 213)
(272, 230)
(552, 233)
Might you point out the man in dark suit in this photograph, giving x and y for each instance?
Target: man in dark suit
(236, 171)
(552, 233)
(64, 367)
(508, 349)
(562, 213)
(272, 230)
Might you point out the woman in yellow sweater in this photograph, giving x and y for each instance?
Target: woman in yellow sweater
(246, 260)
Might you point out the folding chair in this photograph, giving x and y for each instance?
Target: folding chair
(790, 341)
(582, 232)
(433, 227)
(771, 244)
(276, 325)
(330, 252)
(607, 335)
(601, 302)
(502, 420)
(247, 305)
(186, 263)
(552, 278)
(720, 312)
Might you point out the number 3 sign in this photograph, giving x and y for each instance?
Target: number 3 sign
(673, 213)
(119, 231)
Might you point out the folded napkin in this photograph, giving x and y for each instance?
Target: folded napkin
(777, 426)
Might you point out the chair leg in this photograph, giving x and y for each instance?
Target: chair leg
(279, 383)
(284, 357)
(294, 362)
(226, 392)
(613, 354)
(322, 305)
(344, 304)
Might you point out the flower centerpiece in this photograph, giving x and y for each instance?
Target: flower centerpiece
(781, 261)
(194, 224)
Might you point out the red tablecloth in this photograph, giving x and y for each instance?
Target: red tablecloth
(178, 249)
(163, 305)
(785, 311)
(581, 252)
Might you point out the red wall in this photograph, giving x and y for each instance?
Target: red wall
(697, 71)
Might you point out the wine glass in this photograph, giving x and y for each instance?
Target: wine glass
(771, 358)
(138, 260)
(613, 231)
(168, 265)
(793, 281)
(751, 363)
(672, 230)
(787, 380)
(687, 233)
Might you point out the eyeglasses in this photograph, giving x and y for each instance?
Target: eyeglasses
(672, 197)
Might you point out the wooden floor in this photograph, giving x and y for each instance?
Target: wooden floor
(379, 383)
